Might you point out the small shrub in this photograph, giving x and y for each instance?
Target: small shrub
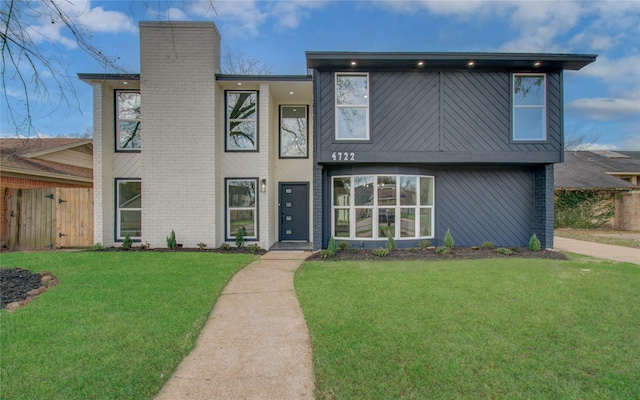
(381, 252)
(143, 246)
(326, 253)
(97, 247)
(225, 247)
(515, 249)
(344, 245)
(442, 250)
(202, 246)
(475, 247)
(534, 243)
(411, 250)
(332, 247)
(424, 244)
(127, 242)
(504, 250)
(240, 237)
(353, 251)
(448, 240)
(254, 247)
(487, 245)
(391, 242)
(171, 241)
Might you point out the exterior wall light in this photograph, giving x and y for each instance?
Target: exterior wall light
(263, 185)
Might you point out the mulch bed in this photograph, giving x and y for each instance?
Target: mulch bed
(457, 253)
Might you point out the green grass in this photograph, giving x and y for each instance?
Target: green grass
(590, 235)
(116, 327)
(516, 328)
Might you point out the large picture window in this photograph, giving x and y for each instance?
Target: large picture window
(242, 120)
(293, 132)
(242, 211)
(374, 206)
(352, 106)
(128, 209)
(128, 118)
(529, 107)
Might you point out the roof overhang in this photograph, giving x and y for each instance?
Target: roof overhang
(427, 61)
(44, 175)
(50, 150)
(93, 78)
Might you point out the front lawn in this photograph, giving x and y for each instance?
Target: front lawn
(116, 327)
(496, 328)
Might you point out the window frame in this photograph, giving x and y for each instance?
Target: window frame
(117, 228)
(228, 121)
(230, 236)
(375, 208)
(306, 116)
(366, 107)
(117, 119)
(543, 107)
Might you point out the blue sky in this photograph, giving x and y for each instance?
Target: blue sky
(602, 100)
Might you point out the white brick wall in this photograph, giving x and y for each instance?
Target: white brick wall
(178, 63)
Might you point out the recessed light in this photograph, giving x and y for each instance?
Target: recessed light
(239, 83)
(537, 64)
(290, 92)
(125, 83)
(471, 63)
(420, 63)
(353, 63)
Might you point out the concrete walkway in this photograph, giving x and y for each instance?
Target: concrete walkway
(606, 251)
(256, 344)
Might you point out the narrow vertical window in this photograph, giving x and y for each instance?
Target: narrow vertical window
(529, 107)
(242, 120)
(352, 106)
(128, 118)
(242, 207)
(129, 209)
(293, 132)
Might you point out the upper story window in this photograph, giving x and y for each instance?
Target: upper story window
(352, 106)
(128, 118)
(293, 132)
(529, 107)
(242, 120)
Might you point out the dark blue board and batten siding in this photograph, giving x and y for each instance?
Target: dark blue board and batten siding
(440, 117)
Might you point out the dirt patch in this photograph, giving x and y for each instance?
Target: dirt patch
(19, 286)
(457, 253)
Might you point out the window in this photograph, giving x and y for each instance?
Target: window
(352, 106)
(529, 107)
(242, 121)
(129, 209)
(241, 207)
(128, 120)
(293, 132)
(374, 206)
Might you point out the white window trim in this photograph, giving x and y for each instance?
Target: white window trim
(376, 220)
(366, 107)
(545, 136)
(232, 235)
(229, 121)
(118, 209)
(118, 119)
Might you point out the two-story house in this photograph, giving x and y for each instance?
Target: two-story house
(368, 145)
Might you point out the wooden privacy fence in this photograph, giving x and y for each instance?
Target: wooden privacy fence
(48, 218)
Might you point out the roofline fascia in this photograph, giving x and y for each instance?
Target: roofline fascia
(93, 77)
(57, 148)
(37, 174)
(256, 78)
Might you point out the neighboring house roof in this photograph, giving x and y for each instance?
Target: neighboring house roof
(596, 169)
(33, 157)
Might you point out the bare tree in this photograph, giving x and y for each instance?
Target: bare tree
(25, 63)
(237, 62)
(577, 140)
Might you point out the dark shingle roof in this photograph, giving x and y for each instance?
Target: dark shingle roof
(591, 169)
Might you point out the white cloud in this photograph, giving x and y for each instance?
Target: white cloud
(240, 18)
(631, 143)
(611, 70)
(290, 13)
(607, 108)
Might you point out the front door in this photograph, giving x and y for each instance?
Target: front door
(294, 211)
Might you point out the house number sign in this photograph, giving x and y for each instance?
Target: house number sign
(343, 156)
